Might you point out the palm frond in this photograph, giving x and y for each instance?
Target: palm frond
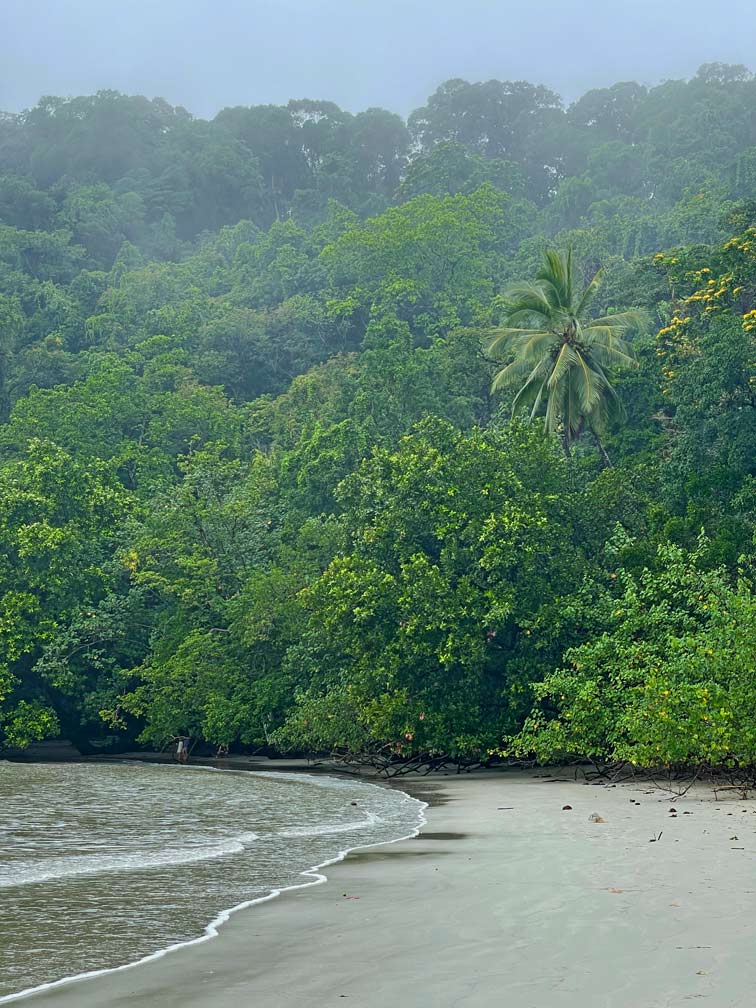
(557, 273)
(517, 370)
(627, 321)
(553, 412)
(590, 384)
(608, 336)
(610, 407)
(566, 358)
(589, 293)
(542, 391)
(526, 318)
(526, 297)
(538, 344)
(511, 375)
(618, 356)
(573, 418)
(510, 340)
(532, 392)
(530, 395)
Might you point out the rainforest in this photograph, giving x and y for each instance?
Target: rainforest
(413, 439)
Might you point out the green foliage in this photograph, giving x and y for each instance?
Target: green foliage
(254, 485)
(419, 637)
(57, 518)
(431, 261)
(667, 680)
(449, 168)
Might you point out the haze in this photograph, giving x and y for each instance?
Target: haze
(205, 54)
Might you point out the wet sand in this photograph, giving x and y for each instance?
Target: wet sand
(503, 900)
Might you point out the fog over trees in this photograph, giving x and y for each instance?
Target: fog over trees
(207, 55)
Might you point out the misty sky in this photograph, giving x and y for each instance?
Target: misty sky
(205, 54)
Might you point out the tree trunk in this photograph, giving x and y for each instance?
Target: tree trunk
(566, 444)
(606, 461)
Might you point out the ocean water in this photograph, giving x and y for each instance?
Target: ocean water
(104, 864)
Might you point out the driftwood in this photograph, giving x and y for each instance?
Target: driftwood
(386, 763)
(742, 790)
(676, 780)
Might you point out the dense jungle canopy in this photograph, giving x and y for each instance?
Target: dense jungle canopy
(256, 487)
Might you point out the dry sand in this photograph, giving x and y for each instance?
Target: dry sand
(520, 906)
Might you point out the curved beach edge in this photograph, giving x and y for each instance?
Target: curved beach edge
(525, 888)
(314, 876)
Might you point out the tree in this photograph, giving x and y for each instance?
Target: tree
(423, 633)
(431, 261)
(723, 73)
(57, 522)
(666, 678)
(496, 119)
(609, 112)
(559, 359)
(449, 168)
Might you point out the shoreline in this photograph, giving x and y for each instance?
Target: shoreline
(313, 874)
(503, 895)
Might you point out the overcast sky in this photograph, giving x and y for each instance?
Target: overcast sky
(205, 54)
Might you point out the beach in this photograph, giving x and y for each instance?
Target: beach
(505, 898)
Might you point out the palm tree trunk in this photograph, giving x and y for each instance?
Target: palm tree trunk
(566, 445)
(606, 461)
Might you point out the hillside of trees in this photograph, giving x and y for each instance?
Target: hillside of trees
(279, 470)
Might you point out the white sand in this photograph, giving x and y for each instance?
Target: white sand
(529, 907)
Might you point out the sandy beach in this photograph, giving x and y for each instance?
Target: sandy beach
(504, 899)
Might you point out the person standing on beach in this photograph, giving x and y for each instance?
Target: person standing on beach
(182, 749)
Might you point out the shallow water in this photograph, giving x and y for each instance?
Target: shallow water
(103, 864)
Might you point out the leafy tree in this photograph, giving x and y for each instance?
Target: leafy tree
(450, 168)
(431, 262)
(57, 518)
(101, 221)
(666, 680)
(611, 113)
(24, 206)
(497, 119)
(419, 637)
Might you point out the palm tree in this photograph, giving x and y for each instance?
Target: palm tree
(557, 357)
